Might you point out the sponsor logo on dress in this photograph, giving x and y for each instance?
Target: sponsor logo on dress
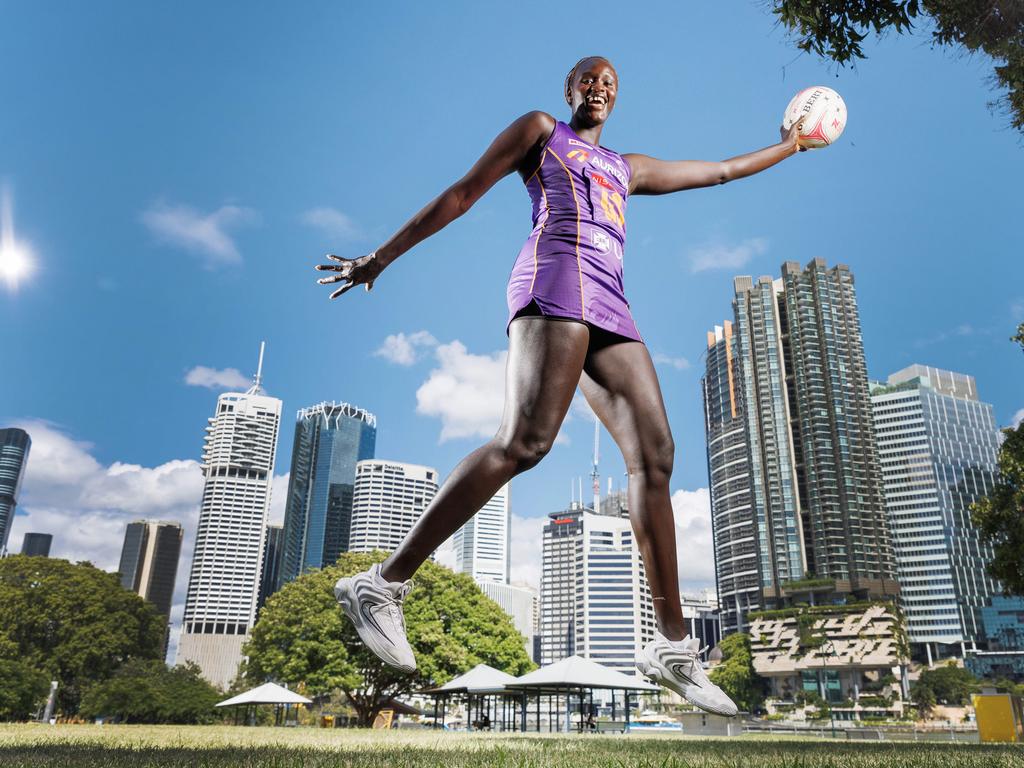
(579, 154)
(607, 167)
(578, 143)
(600, 240)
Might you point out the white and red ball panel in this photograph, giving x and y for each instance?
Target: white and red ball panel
(824, 116)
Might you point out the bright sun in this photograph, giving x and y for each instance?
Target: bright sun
(15, 263)
(15, 257)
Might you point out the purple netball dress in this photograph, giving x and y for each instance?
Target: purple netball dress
(571, 265)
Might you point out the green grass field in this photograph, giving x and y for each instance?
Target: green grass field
(87, 746)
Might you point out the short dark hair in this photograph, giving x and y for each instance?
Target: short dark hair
(572, 72)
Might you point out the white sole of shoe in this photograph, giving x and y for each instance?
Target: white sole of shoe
(654, 673)
(346, 598)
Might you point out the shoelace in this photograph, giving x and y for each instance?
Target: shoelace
(394, 605)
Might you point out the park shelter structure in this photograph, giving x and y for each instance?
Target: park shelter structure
(553, 688)
(269, 693)
(484, 691)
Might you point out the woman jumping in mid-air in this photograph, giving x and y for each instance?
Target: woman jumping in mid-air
(569, 324)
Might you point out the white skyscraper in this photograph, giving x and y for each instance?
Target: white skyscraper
(389, 498)
(595, 601)
(223, 586)
(938, 444)
(521, 604)
(482, 544)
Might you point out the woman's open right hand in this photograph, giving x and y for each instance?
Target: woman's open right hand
(362, 270)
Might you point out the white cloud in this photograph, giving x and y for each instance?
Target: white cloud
(1018, 417)
(278, 499)
(722, 256)
(332, 222)
(1017, 310)
(692, 511)
(465, 391)
(679, 363)
(526, 551)
(205, 234)
(401, 349)
(212, 378)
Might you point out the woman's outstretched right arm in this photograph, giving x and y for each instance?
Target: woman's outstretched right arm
(507, 153)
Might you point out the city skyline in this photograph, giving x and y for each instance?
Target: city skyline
(234, 239)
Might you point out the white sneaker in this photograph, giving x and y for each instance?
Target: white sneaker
(375, 608)
(676, 665)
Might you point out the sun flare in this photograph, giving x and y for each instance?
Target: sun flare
(15, 256)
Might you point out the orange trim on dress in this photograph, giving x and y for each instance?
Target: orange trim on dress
(544, 196)
(575, 199)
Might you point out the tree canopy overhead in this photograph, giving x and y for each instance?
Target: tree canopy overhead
(302, 637)
(834, 29)
(73, 622)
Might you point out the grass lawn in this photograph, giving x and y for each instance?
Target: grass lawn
(90, 746)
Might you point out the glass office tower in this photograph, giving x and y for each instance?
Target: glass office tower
(330, 439)
(14, 447)
(938, 445)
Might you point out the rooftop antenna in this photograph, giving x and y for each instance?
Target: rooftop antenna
(572, 493)
(593, 473)
(579, 480)
(257, 382)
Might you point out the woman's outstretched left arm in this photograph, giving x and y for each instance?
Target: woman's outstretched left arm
(659, 177)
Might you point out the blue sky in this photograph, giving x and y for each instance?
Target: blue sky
(177, 171)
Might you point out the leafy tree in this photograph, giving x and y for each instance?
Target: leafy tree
(948, 684)
(150, 692)
(999, 516)
(73, 622)
(835, 29)
(736, 675)
(23, 689)
(302, 637)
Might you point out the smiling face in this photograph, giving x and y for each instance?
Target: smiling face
(591, 89)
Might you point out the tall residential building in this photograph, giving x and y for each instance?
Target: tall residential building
(482, 544)
(520, 602)
(801, 490)
(938, 444)
(736, 544)
(330, 438)
(595, 601)
(389, 498)
(223, 587)
(14, 447)
(271, 564)
(36, 544)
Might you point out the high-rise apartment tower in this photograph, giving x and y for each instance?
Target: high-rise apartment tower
(795, 478)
